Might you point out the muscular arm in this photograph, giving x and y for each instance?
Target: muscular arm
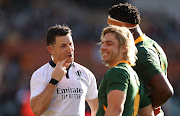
(93, 104)
(41, 102)
(160, 89)
(116, 100)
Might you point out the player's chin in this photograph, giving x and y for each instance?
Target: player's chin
(104, 59)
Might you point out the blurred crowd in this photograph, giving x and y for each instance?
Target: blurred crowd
(23, 25)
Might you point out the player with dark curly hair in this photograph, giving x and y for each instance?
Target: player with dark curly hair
(152, 64)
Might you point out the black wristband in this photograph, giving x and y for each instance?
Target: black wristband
(53, 81)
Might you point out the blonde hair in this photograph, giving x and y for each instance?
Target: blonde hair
(124, 37)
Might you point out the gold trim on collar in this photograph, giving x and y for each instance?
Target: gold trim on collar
(139, 39)
(122, 61)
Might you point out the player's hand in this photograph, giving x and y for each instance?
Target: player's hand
(59, 71)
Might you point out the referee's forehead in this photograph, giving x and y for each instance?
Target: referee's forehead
(64, 39)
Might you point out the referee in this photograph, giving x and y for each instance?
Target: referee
(61, 86)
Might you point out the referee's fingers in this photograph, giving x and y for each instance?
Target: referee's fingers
(61, 63)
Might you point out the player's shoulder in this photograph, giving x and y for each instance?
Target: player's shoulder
(117, 73)
(122, 68)
(147, 42)
(144, 46)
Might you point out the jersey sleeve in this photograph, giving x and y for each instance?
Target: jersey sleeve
(147, 65)
(36, 84)
(118, 79)
(92, 91)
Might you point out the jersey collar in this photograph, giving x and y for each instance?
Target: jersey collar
(52, 63)
(122, 61)
(140, 39)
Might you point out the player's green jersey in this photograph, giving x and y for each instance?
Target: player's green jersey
(122, 77)
(151, 58)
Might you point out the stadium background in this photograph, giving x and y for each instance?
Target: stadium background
(23, 24)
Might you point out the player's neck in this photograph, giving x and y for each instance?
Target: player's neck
(137, 32)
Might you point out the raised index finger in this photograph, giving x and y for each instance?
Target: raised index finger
(61, 63)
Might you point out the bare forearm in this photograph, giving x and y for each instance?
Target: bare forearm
(93, 113)
(160, 89)
(41, 102)
(93, 106)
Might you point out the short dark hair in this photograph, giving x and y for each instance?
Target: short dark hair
(125, 13)
(57, 30)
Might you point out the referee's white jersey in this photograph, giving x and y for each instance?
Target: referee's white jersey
(70, 93)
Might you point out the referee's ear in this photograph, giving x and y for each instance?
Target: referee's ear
(50, 49)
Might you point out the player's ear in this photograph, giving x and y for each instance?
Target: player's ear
(124, 48)
(50, 49)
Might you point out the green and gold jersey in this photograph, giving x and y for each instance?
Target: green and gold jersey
(151, 59)
(122, 77)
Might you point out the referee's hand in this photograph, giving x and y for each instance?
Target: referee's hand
(59, 71)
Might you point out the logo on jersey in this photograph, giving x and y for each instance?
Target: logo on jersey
(78, 73)
(70, 93)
